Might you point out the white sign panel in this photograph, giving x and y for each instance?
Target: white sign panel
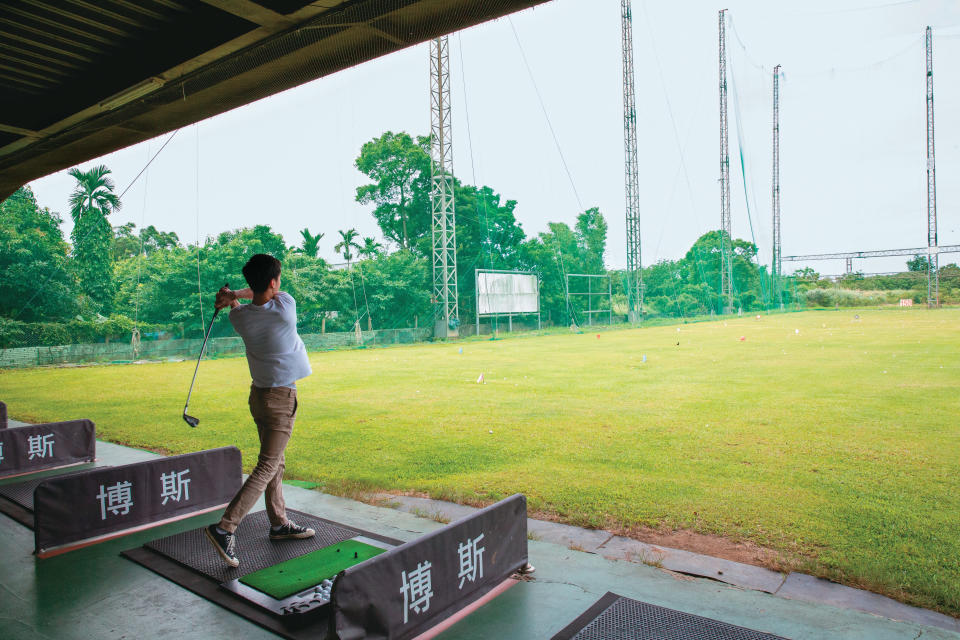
(507, 293)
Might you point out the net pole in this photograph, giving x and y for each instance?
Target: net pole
(476, 287)
(610, 299)
(589, 302)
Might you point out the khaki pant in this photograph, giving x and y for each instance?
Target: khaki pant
(274, 411)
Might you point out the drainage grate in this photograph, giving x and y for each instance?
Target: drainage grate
(617, 618)
(254, 548)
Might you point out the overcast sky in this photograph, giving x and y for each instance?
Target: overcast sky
(853, 130)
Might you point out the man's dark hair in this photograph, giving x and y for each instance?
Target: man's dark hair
(260, 270)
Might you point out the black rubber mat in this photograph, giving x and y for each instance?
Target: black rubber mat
(198, 572)
(254, 547)
(614, 617)
(314, 629)
(21, 493)
(16, 498)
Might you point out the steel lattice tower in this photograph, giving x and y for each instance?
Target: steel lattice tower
(726, 234)
(776, 266)
(631, 181)
(933, 260)
(441, 194)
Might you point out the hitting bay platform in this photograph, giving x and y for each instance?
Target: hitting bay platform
(96, 593)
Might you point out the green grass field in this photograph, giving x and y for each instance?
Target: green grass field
(836, 446)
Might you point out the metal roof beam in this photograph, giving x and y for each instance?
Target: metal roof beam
(58, 24)
(19, 131)
(99, 10)
(42, 45)
(253, 12)
(76, 17)
(47, 35)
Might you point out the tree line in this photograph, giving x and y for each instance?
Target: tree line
(108, 280)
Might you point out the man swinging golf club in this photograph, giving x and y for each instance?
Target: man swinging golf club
(277, 359)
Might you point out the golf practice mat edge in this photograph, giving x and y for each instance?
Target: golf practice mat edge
(293, 576)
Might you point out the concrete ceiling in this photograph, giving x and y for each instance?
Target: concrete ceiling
(82, 78)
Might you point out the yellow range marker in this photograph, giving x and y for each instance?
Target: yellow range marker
(293, 576)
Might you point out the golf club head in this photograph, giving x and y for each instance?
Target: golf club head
(190, 420)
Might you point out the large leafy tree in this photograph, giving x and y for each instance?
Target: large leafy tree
(37, 283)
(591, 231)
(91, 202)
(560, 251)
(691, 285)
(918, 263)
(126, 244)
(488, 237)
(701, 276)
(156, 240)
(168, 280)
(399, 167)
(553, 254)
(397, 288)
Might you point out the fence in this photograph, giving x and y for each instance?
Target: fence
(180, 349)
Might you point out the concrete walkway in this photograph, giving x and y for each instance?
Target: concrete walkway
(95, 593)
(796, 586)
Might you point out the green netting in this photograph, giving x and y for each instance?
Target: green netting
(293, 576)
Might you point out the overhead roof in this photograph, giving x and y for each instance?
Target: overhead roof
(82, 78)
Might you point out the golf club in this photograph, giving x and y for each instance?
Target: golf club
(190, 420)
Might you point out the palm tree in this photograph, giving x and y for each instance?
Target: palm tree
(91, 202)
(371, 248)
(344, 246)
(311, 243)
(93, 193)
(347, 244)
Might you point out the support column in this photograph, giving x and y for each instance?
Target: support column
(933, 257)
(776, 265)
(634, 284)
(726, 228)
(446, 317)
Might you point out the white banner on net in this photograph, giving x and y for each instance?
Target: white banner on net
(507, 293)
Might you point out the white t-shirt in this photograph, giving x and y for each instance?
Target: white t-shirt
(275, 352)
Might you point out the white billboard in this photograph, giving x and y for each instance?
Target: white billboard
(504, 293)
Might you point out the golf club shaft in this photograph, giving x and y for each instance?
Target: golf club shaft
(203, 347)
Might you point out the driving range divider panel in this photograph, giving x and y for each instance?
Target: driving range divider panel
(46, 446)
(3, 415)
(405, 591)
(106, 502)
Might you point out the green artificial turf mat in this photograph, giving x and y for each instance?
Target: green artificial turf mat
(290, 577)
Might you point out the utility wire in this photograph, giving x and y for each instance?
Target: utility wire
(543, 107)
(149, 162)
(676, 137)
(482, 209)
(37, 290)
(197, 205)
(829, 71)
(743, 175)
(473, 169)
(143, 219)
